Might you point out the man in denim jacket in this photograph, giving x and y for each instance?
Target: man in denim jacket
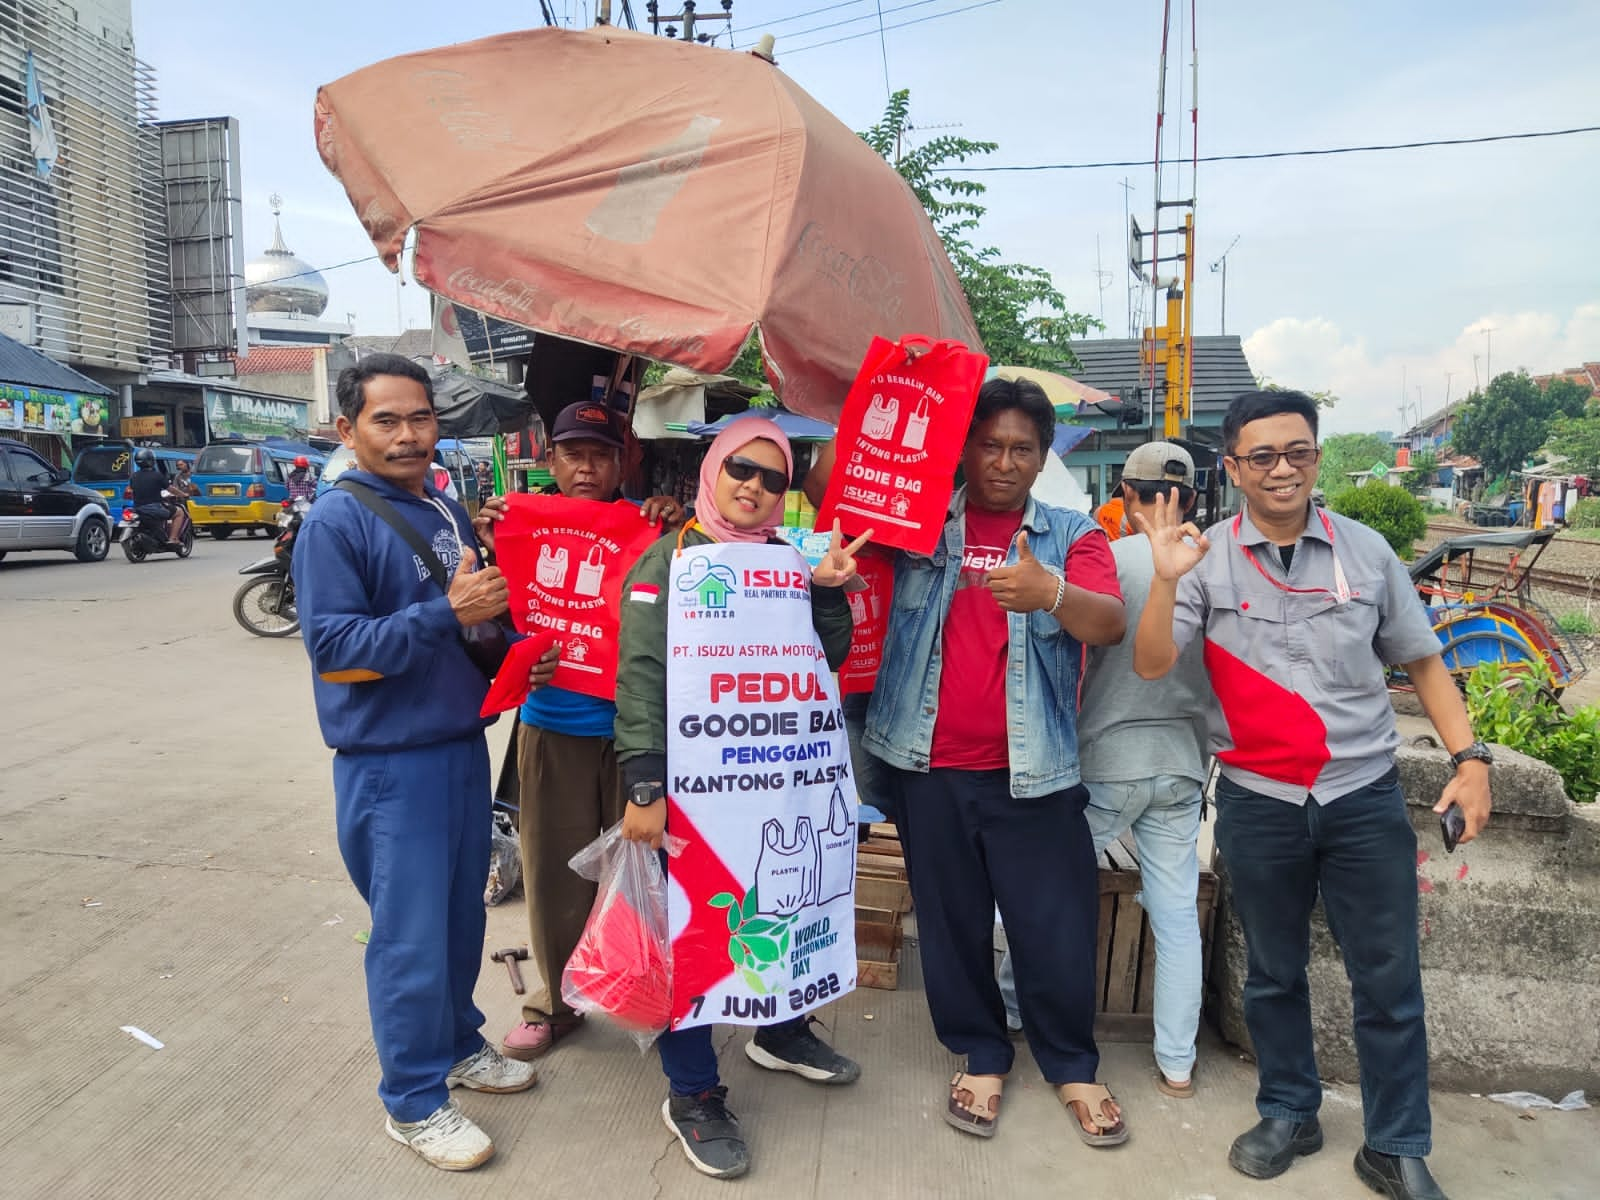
(974, 716)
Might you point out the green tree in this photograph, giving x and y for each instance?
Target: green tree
(1578, 440)
(1021, 316)
(1505, 423)
(1391, 511)
(1322, 399)
(1420, 473)
(1345, 452)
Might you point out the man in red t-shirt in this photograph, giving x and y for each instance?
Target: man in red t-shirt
(974, 718)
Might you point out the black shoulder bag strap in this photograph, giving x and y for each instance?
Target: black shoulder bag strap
(385, 512)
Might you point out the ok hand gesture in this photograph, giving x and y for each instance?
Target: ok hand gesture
(1025, 585)
(838, 565)
(1176, 546)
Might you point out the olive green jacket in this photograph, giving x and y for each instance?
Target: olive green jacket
(641, 729)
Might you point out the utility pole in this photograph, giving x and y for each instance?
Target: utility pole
(1127, 189)
(1488, 354)
(1102, 279)
(1222, 263)
(1447, 376)
(1476, 385)
(689, 18)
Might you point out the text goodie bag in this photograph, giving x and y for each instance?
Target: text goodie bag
(901, 432)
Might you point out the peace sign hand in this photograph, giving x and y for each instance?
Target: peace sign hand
(838, 565)
(1176, 546)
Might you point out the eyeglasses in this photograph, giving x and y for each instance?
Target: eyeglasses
(1267, 460)
(742, 470)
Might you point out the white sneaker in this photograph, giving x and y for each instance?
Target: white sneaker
(490, 1071)
(447, 1139)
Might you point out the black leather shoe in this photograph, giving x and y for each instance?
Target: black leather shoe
(1396, 1177)
(1266, 1151)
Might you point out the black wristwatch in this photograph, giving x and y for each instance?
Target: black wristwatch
(1476, 752)
(646, 794)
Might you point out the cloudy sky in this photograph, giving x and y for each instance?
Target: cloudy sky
(1380, 277)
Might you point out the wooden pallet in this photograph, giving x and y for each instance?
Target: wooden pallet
(883, 897)
(1125, 956)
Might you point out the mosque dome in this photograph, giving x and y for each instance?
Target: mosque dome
(278, 282)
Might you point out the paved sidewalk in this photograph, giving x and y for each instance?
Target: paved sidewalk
(220, 921)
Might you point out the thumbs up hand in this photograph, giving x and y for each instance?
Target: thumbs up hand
(477, 595)
(1025, 585)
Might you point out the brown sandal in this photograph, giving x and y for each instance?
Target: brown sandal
(1093, 1097)
(980, 1112)
(1178, 1091)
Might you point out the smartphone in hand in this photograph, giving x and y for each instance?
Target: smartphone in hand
(1452, 824)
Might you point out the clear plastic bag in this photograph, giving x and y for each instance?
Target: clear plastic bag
(505, 862)
(622, 966)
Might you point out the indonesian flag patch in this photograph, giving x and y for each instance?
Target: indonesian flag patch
(644, 593)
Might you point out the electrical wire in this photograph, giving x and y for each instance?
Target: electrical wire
(324, 270)
(1208, 158)
(850, 37)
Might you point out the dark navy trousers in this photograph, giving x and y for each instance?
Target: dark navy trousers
(414, 830)
(1360, 853)
(971, 847)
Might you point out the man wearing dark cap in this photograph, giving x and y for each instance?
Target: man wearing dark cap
(565, 759)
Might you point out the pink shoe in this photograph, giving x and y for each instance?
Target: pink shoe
(529, 1039)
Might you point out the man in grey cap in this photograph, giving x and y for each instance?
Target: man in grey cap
(1140, 754)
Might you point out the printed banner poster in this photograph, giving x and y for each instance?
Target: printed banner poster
(230, 414)
(53, 412)
(564, 560)
(761, 901)
(901, 431)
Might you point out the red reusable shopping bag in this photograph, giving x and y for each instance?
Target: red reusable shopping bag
(622, 965)
(900, 436)
(564, 561)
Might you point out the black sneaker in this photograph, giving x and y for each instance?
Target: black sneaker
(708, 1132)
(792, 1046)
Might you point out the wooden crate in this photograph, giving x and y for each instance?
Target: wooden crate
(1125, 955)
(883, 897)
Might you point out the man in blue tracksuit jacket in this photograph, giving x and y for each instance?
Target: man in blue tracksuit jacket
(398, 699)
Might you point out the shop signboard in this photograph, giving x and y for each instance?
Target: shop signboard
(40, 411)
(230, 414)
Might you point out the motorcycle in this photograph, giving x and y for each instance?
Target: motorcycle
(145, 533)
(265, 605)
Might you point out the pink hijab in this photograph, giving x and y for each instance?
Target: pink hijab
(730, 441)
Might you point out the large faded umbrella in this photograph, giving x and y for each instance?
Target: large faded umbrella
(646, 194)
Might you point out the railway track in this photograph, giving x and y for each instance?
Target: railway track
(1569, 566)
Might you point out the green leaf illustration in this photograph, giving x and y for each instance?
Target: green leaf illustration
(763, 947)
(749, 908)
(754, 981)
(758, 925)
(783, 943)
(722, 900)
(733, 919)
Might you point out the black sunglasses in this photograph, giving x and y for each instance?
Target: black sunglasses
(742, 470)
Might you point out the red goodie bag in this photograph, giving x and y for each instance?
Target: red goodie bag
(900, 436)
(869, 609)
(564, 560)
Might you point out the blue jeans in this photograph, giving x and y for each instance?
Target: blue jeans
(1164, 814)
(414, 831)
(1360, 852)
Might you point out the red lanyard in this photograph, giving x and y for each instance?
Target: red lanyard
(1341, 585)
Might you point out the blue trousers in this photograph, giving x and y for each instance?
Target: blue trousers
(414, 831)
(1360, 852)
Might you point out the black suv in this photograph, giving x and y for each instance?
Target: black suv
(42, 509)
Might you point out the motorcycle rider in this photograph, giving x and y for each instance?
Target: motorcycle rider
(183, 489)
(302, 483)
(149, 485)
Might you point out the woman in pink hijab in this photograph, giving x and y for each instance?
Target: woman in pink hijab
(742, 484)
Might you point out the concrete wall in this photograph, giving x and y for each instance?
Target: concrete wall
(1510, 936)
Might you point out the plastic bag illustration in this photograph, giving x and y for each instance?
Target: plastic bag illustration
(551, 569)
(589, 572)
(882, 416)
(916, 427)
(786, 872)
(836, 872)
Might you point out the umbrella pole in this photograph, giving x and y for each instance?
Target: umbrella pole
(501, 482)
